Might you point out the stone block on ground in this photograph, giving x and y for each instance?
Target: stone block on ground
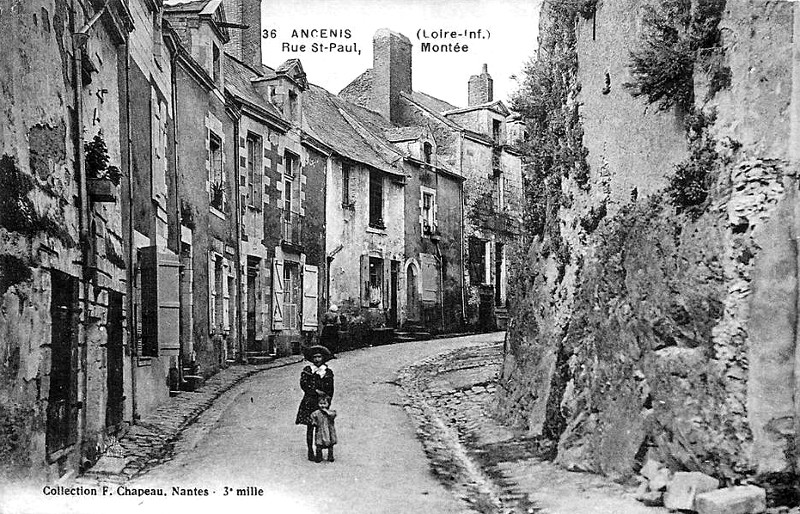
(745, 499)
(685, 486)
(651, 498)
(650, 469)
(110, 465)
(660, 480)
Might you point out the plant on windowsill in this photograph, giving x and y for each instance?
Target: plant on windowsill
(102, 179)
(378, 223)
(217, 195)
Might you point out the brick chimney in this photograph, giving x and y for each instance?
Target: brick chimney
(391, 72)
(480, 89)
(245, 44)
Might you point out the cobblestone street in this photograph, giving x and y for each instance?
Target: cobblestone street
(429, 445)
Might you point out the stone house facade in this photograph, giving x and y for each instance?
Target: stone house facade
(472, 143)
(62, 260)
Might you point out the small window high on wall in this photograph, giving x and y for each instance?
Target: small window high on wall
(427, 152)
(216, 64)
(346, 184)
(376, 199)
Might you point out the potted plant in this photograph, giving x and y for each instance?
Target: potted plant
(217, 195)
(101, 179)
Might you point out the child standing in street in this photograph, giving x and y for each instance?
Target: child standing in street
(316, 380)
(325, 436)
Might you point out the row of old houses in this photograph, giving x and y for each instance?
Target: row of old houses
(170, 205)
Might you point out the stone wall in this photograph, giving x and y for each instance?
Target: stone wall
(640, 329)
(39, 235)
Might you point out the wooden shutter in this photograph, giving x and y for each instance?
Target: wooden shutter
(310, 297)
(387, 281)
(160, 302)
(277, 294)
(169, 304)
(212, 289)
(430, 277)
(364, 281)
(226, 296)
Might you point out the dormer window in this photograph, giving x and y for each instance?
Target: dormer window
(427, 153)
(496, 131)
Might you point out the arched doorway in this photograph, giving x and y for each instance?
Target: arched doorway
(412, 293)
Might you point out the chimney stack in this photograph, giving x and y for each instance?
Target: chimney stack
(480, 89)
(245, 44)
(391, 72)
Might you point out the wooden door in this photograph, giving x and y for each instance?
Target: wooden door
(62, 400)
(412, 294)
(114, 369)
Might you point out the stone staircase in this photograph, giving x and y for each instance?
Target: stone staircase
(411, 332)
(259, 358)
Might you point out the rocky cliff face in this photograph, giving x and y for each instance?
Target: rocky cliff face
(642, 326)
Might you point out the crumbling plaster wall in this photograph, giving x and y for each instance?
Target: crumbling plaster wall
(39, 226)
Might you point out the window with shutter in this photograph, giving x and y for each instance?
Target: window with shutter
(310, 297)
(277, 294)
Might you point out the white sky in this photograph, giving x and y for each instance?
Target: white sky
(512, 25)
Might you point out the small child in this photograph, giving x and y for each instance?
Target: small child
(325, 433)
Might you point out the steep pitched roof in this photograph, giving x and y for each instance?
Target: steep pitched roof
(326, 120)
(431, 102)
(238, 83)
(359, 91)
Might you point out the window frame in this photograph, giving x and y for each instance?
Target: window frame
(215, 157)
(346, 176)
(376, 200)
(254, 145)
(376, 280)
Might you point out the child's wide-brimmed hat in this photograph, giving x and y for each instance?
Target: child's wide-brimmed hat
(317, 349)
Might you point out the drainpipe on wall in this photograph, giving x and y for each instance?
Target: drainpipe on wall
(179, 228)
(461, 245)
(79, 40)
